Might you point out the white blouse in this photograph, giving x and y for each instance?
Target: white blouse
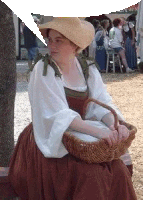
(51, 115)
(116, 37)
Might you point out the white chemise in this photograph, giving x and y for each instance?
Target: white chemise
(51, 115)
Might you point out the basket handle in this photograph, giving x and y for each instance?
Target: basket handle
(103, 105)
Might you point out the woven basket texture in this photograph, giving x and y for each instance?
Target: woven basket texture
(98, 152)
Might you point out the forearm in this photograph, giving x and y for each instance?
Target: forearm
(81, 126)
(108, 119)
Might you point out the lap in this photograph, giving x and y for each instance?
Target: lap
(118, 49)
(35, 177)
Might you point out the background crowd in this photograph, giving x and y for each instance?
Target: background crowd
(118, 36)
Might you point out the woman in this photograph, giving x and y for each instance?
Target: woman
(101, 45)
(105, 24)
(130, 48)
(116, 39)
(45, 170)
(92, 47)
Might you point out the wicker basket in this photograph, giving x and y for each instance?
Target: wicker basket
(97, 152)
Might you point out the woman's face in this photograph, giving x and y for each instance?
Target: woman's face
(59, 46)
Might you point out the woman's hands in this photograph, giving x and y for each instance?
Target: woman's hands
(123, 133)
(113, 136)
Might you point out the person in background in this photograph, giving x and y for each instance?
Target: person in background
(116, 39)
(130, 48)
(92, 46)
(105, 24)
(30, 43)
(101, 57)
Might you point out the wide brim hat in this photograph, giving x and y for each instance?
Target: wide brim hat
(78, 31)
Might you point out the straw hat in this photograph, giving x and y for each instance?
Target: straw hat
(78, 31)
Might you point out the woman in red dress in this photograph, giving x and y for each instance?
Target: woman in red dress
(41, 168)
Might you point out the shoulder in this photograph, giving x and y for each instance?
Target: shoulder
(95, 79)
(112, 34)
(39, 69)
(93, 68)
(112, 29)
(100, 31)
(44, 63)
(86, 63)
(117, 29)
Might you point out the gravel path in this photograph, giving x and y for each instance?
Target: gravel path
(22, 104)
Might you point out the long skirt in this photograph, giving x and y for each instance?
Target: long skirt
(131, 54)
(35, 177)
(101, 58)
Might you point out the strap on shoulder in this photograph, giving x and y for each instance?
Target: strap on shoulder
(84, 61)
(47, 61)
(84, 65)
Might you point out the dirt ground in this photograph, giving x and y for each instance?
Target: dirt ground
(127, 93)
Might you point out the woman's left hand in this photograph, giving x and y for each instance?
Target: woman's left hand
(123, 132)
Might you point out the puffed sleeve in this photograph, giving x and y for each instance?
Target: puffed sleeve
(98, 90)
(51, 115)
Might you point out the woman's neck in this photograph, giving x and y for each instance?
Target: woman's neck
(67, 65)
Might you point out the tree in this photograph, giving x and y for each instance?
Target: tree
(7, 83)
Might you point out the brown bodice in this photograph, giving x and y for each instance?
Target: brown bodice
(76, 100)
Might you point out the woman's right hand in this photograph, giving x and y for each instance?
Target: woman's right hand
(111, 136)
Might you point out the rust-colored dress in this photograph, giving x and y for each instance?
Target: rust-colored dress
(35, 177)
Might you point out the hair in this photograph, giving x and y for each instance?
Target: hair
(47, 33)
(48, 30)
(132, 17)
(95, 23)
(116, 22)
(78, 49)
(104, 22)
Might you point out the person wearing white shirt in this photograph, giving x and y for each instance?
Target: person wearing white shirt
(116, 39)
(44, 169)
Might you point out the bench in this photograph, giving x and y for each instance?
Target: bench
(6, 190)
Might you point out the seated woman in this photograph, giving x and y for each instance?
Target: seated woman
(116, 39)
(41, 167)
